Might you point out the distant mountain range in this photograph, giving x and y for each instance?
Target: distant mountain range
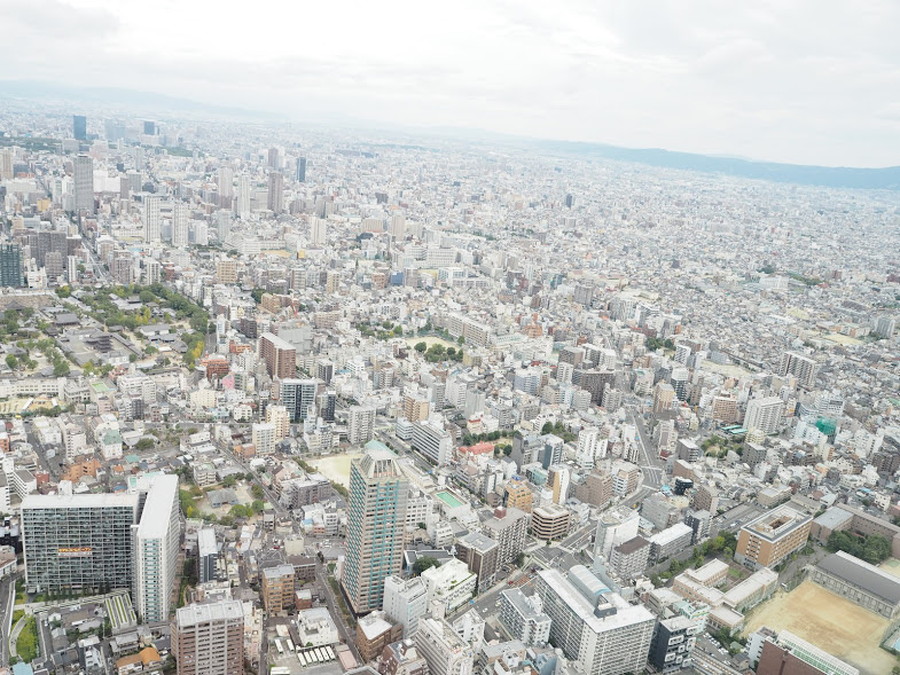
(129, 98)
(837, 177)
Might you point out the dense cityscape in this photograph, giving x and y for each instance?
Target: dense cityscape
(298, 400)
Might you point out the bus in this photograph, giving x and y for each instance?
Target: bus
(311, 655)
(279, 647)
(330, 653)
(301, 659)
(290, 645)
(320, 655)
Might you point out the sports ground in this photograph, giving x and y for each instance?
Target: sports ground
(830, 622)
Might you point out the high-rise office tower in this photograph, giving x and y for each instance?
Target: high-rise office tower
(273, 158)
(595, 628)
(150, 128)
(84, 183)
(79, 127)
(11, 266)
(299, 398)
(375, 525)
(209, 639)
(78, 543)
(179, 225)
(276, 192)
(279, 355)
(301, 169)
(152, 218)
(156, 547)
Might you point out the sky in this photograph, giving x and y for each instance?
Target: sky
(801, 81)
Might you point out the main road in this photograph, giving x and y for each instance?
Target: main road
(7, 601)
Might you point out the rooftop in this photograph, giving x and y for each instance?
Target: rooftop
(777, 523)
(861, 574)
(216, 611)
(86, 501)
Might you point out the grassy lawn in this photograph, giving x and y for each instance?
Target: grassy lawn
(27, 644)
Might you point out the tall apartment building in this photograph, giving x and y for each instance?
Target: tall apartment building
(299, 398)
(405, 602)
(152, 218)
(209, 638)
(416, 408)
(432, 441)
(83, 175)
(278, 588)
(445, 652)
(157, 543)
(360, 424)
(524, 617)
(764, 414)
(801, 366)
(772, 537)
(78, 543)
(481, 554)
(375, 518)
(276, 192)
(279, 355)
(595, 628)
(519, 495)
(11, 266)
(179, 225)
(673, 642)
(550, 522)
(262, 435)
(207, 554)
(509, 528)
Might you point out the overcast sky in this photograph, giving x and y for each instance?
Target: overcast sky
(806, 81)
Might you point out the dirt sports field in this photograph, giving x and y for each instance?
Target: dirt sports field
(830, 622)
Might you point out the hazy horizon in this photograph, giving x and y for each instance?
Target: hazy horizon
(799, 83)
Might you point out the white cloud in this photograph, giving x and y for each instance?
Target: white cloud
(790, 80)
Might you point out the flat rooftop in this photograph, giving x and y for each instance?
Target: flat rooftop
(86, 501)
(777, 523)
(216, 611)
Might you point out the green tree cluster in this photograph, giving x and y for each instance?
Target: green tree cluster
(558, 429)
(655, 344)
(874, 549)
(424, 563)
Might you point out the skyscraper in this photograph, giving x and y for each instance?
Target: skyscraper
(375, 525)
(152, 225)
(225, 184)
(318, 231)
(179, 225)
(276, 192)
(243, 197)
(209, 638)
(11, 266)
(79, 127)
(84, 183)
(156, 548)
(301, 169)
